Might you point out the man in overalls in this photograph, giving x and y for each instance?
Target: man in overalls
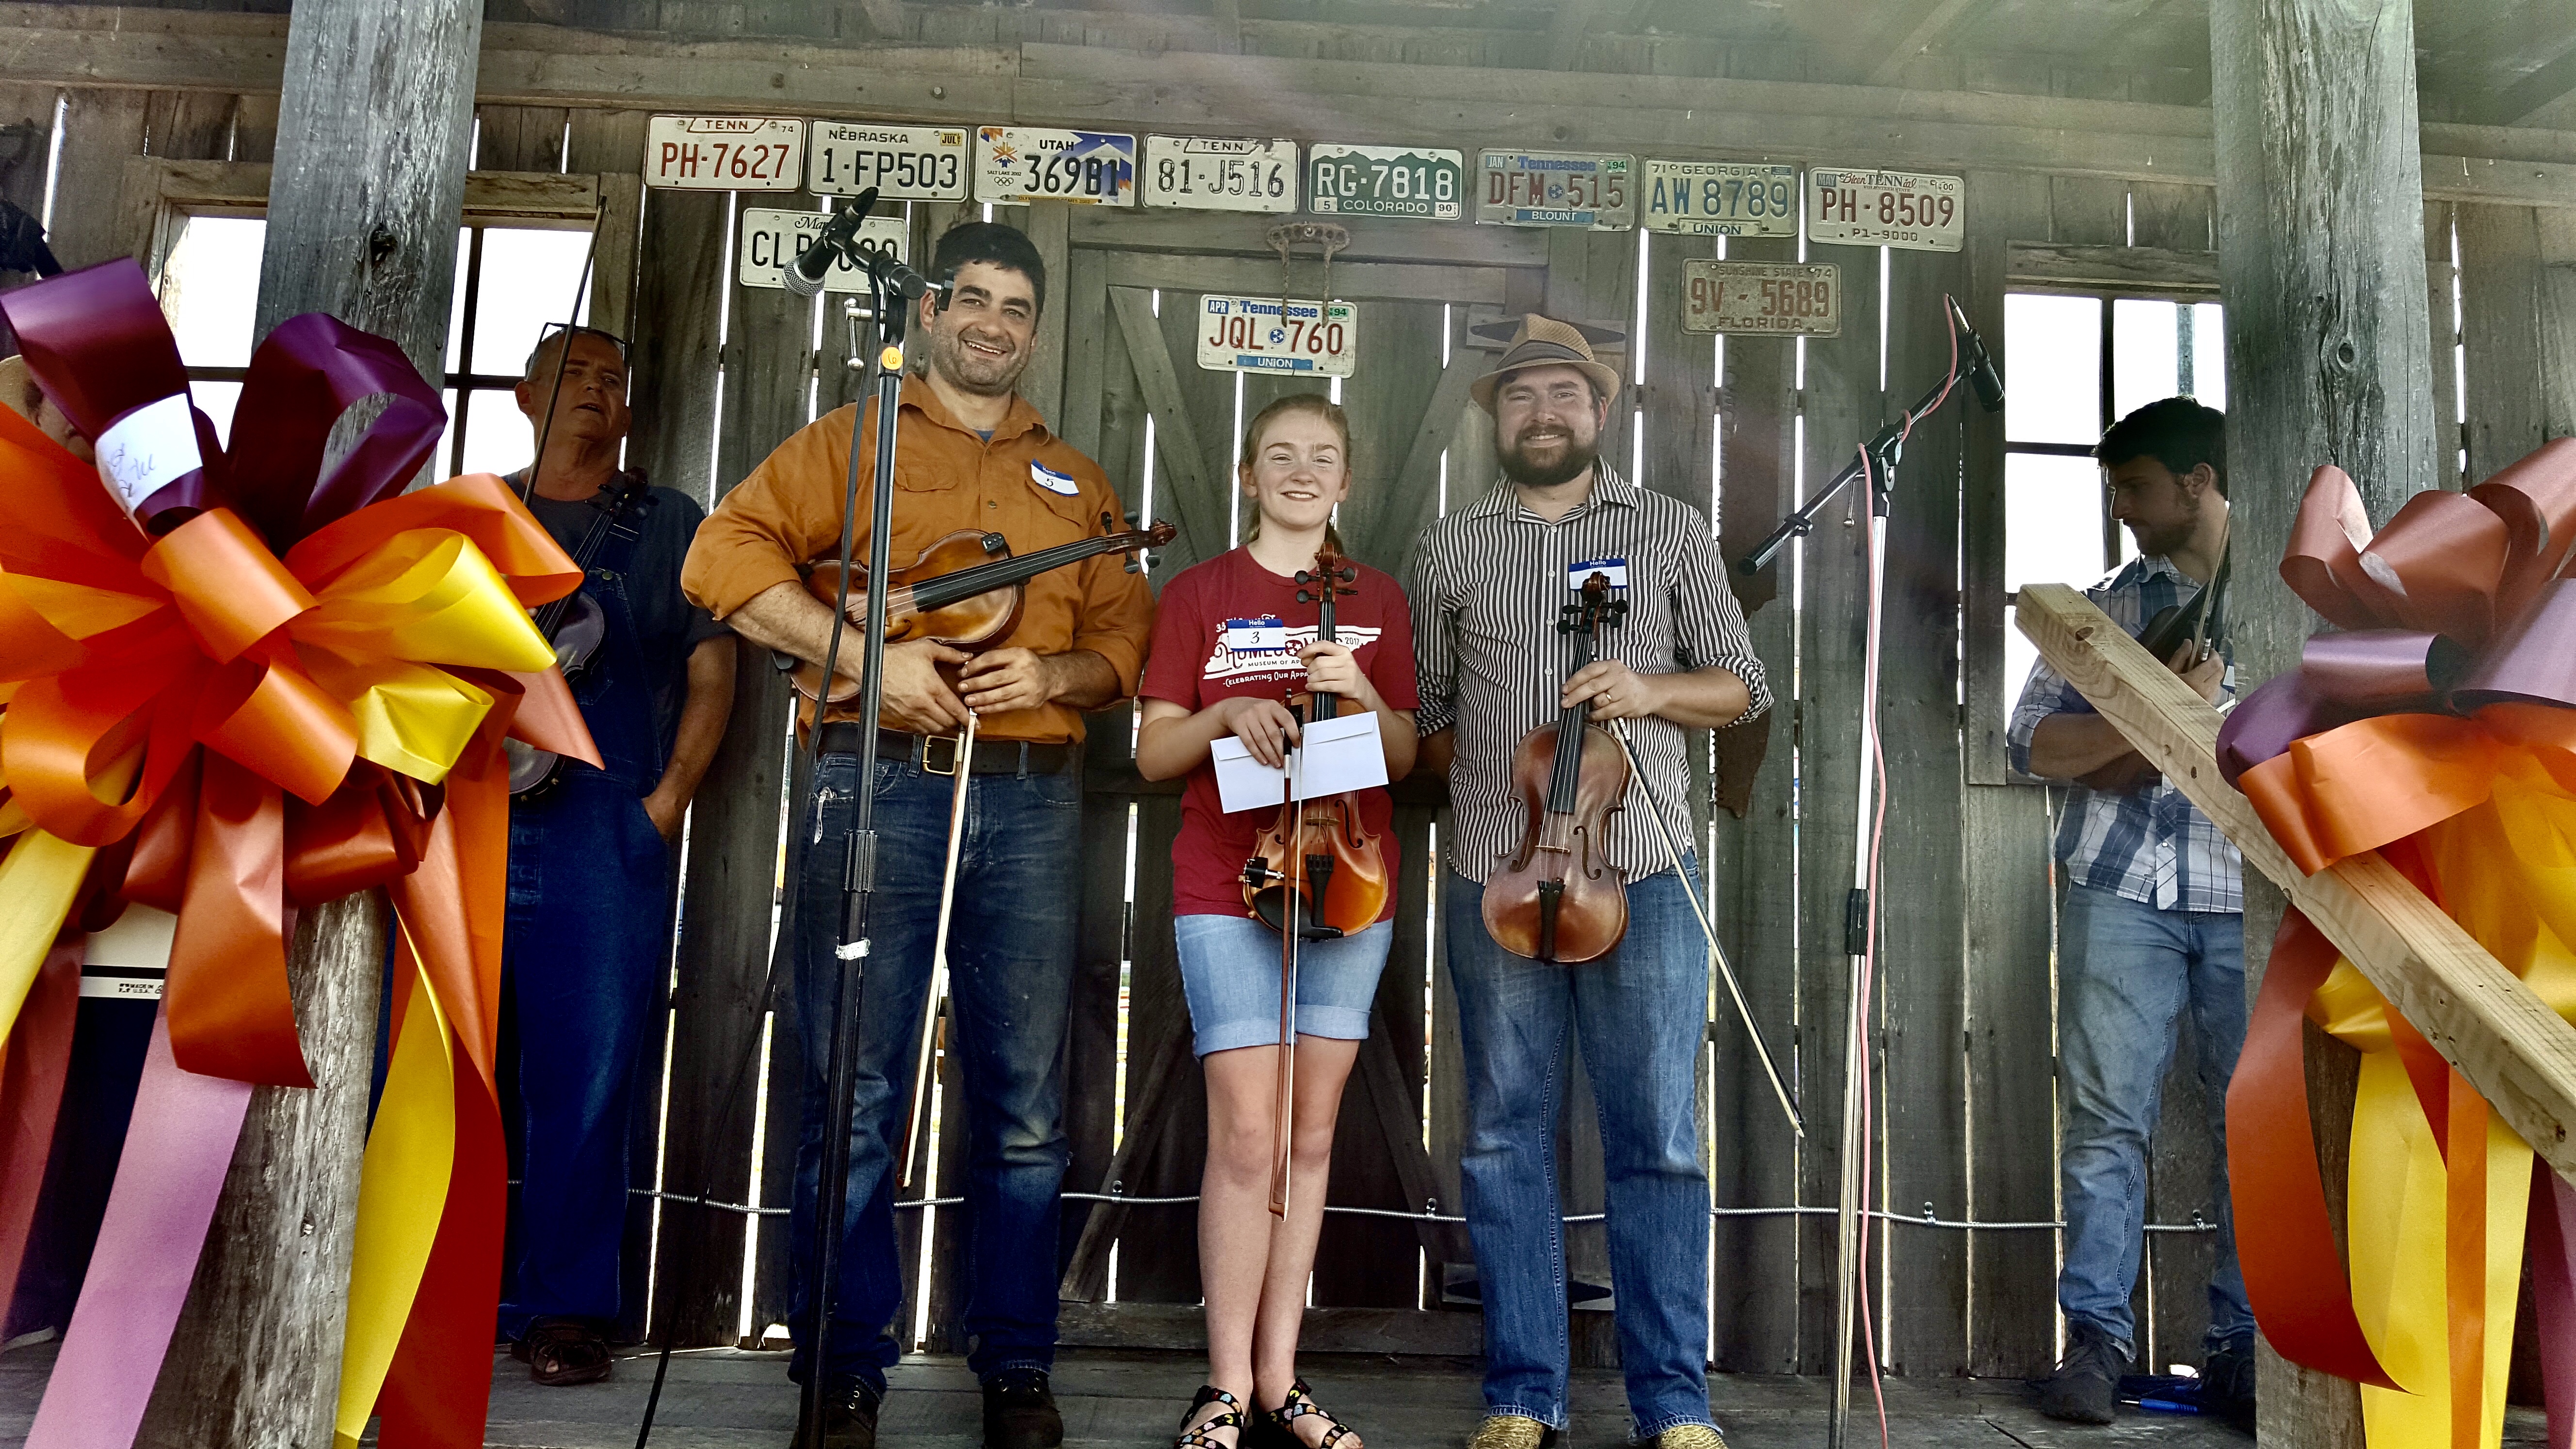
(589, 931)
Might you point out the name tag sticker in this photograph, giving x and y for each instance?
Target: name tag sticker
(1267, 635)
(1053, 481)
(1577, 575)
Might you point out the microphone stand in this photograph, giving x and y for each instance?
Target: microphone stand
(1877, 460)
(891, 312)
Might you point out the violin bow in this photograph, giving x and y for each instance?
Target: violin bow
(1716, 953)
(1284, 1117)
(933, 1004)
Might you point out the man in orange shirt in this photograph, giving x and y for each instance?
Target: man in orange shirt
(971, 454)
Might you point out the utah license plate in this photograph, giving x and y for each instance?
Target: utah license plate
(1793, 299)
(1217, 173)
(1915, 211)
(1036, 163)
(904, 163)
(1257, 334)
(1384, 181)
(1720, 198)
(724, 153)
(1549, 188)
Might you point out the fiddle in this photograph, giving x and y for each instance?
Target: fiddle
(1556, 898)
(964, 591)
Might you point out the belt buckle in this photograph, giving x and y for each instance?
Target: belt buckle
(955, 754)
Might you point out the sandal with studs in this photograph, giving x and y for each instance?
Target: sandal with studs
(1197, 1436)
(1301, 1403)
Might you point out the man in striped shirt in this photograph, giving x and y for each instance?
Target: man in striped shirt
(1490, 581)
(2153, 926)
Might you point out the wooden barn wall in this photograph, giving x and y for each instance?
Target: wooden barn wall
(1960, 1034)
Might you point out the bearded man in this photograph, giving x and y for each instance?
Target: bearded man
(973, 455)
(2153, 925)
(1490, 581)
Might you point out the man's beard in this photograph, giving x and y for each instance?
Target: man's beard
(2161, 541)
(971, 371)
(1529, 472)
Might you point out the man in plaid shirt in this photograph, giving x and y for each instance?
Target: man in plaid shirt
(2153, 924)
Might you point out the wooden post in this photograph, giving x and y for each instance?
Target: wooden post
(372, 138)
(2321, 262)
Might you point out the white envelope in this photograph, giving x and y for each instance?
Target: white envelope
(1339, 754)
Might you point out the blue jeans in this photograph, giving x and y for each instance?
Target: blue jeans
(2126, 972)
(1010, 961)
(585, 938)
(1641, 1014)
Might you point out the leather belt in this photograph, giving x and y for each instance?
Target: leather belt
(937, 754)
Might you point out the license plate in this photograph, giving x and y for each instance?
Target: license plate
(1720, 198)
(1252, 334)
(772, 240)
(1035, 163)
(1911, 210)
(724, 153)
(904, 163)
(1795, 299)
(1384, 181)
(1549, 188)
(1214, 173)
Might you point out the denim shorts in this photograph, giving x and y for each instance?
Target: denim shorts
(1230, 971)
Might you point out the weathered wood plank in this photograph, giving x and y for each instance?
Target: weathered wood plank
(2011, 209)
(2500, 330)
(2108, 270)
(672, 370)
(1358, 282)
(2088, 209)
(2442, 317)
(189, 125)
(2173, 217)
(1676, 399)
(1182, 1327)
(1084, 299)
(1158, 1258)
(100, 130)
(1412, 495)
(520, 138)
(1048, 226)
(1373, 239)
(1184, 491)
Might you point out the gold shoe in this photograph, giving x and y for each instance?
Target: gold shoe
(1690, 1436)
(1511, 1431)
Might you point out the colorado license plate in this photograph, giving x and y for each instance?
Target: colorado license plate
(1799, 299)
(1546, 188)
(1915, 211)
(1720, 198)
(1034, 163)
(1384, 181)
(772, 240)
(1256, 334)
(904, 163)
(724, 153)
(1215, 173)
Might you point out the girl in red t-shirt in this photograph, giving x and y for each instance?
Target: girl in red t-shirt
(1214, 671)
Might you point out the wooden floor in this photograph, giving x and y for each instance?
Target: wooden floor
(720, 1399)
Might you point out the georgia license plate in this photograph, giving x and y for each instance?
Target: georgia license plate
(904, 163)
(1384, 181)
(1255, 334)
(1720, 198)
(1216, 173)
(1548, 188)
(724, 153)
(1800, 299)
(771, 241)
(1035, 163)
(1915, 211)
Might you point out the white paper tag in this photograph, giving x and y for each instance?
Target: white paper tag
(1053, 481)
(126, 961)
(1339, 754)
(1265, 635)
(1576, 575)
(147, 448)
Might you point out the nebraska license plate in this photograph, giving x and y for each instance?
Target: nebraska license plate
(1037, 163)
(904, 163)
(1384, 181)
(1914, 211)
(1259, 334)
(1776, 299)
(1217, 173)
(1720, 198)
(724, 153)
(1552, 188)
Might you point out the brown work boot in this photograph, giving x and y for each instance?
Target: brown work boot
(849, 1417)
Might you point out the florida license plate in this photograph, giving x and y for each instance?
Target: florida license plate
(1258, 334)
(1217, 173)
(724, 153)
(1775, 299)
(1384, 181)
(1036, 163)
(904, 163)
(1910, 210)
(1720, 198)
(1553, 188)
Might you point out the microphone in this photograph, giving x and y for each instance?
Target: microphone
(908, 284)
(1982, 376)
(805, 275)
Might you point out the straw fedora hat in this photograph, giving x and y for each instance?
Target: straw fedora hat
(1541, 342)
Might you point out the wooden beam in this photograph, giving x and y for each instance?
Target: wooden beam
(1917, 28)
(2093, 271)
(1191, 491)
(1183, 1327)
(1565, 33)
(2519, 1054)
(2526, 98)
